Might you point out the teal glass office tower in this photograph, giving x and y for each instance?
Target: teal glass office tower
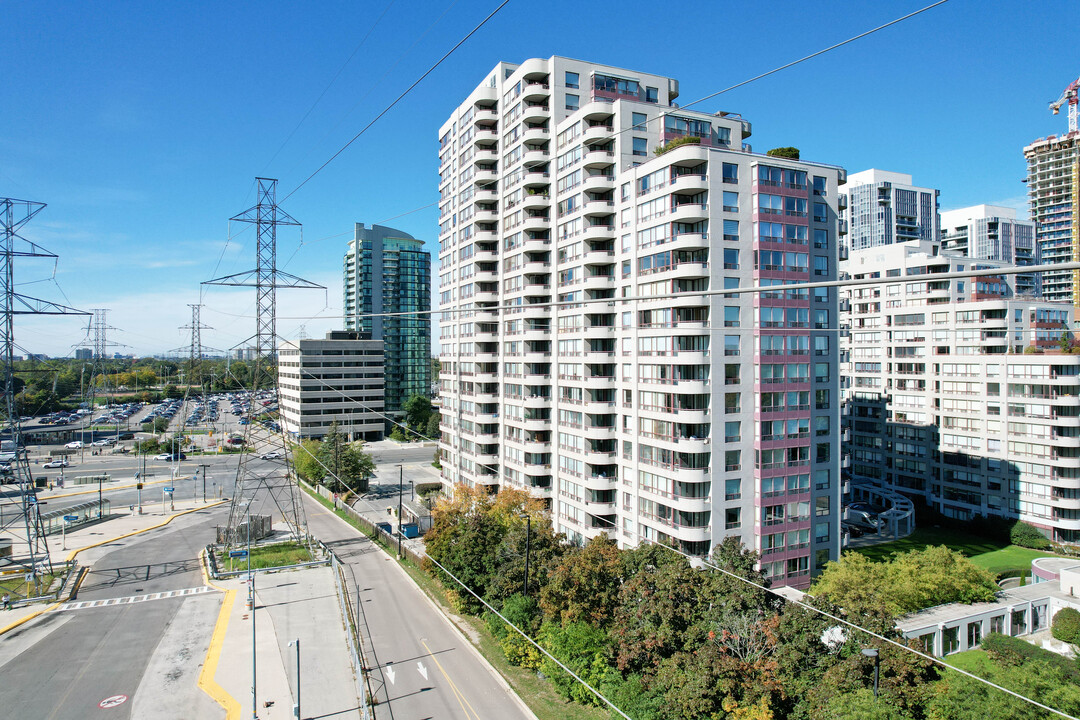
(387, 272)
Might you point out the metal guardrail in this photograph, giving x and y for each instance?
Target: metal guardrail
(352, 623)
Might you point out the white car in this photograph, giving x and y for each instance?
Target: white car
(274, 455)
(101, 443)
(74, 445)
(56, 464)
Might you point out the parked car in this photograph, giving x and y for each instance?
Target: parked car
(58, 463)
(74, 445)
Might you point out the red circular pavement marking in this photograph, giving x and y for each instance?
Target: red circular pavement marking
(111, 702)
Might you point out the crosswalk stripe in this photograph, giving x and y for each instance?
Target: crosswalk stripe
(131, 599)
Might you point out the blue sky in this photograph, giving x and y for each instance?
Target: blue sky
(143, 125)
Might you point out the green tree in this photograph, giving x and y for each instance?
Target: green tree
(958, 697)
(784, 152)
(417, 411)
(305, 457)
(1026, 535)
(584, 585)
(432, 430)
(347, 467)
(583, 648)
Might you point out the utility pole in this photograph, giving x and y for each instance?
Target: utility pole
(528, 535)
(400, 487)
(266, 278)
(23, 522)
(204, 468)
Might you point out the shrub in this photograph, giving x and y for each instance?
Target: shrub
(677, 142)
(1032, 350)
(1028, 536)
(1014, 651)
(1066, 625)
(784, 152)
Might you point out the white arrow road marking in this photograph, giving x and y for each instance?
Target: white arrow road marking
(390, 672)
(422, 669)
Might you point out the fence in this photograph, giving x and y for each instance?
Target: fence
(351, 616)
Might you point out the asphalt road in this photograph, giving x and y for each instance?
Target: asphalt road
(62, 665)
(421, 666)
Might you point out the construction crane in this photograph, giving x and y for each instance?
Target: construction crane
(1070, 95)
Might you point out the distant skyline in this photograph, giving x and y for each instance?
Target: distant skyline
(143, 126)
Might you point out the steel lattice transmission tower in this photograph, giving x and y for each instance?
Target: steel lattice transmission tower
(20, 520)
(99, 327)
(257, 483)
(196, 349)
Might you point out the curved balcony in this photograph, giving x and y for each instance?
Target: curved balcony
(690, 504)
(535, 311)
(487, 215)
(536, 401)
(535, 112)
(1064, 524)
(536, 178)
(536, 201)
(597, 111)
(598, 257)
(599, 232)
(687, 155)
(595, 406)
(484, 177)
(536, 266)
(693, 474)
(483, 116)
(691, 534)
(484, 255)
(594, 432)
(486, 194)
(693, 386)
(599, 158)
(600, 331)
(536, 335)
(600, 458)
(533, 158)
(486, 376)
(485, 296)
(688, 241)
(485, 396)
(598, 133)
(536, 424)
(1066, 503)
(484, 137)
(598, 208)
(689, 213)
(537, 244)
(535, 91)
(601, 482)
(600, 182)
(690, 183)
(535, 224)
(599, 282)
(536, 135)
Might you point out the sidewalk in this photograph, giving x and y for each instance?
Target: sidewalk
(289, 605)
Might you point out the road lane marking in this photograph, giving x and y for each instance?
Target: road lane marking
(84, 604)
(462, 700)
(207, 683)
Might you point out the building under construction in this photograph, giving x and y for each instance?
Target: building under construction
(1053, 182)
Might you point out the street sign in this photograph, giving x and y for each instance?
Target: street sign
(238, 553)
(111, 702)
(168, 489)
(71, 518)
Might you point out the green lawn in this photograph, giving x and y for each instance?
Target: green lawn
(974, 661)
(269, 556)
(19, 588)
(994, 556)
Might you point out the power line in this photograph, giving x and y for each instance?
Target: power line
(399, 98)
(328, 86)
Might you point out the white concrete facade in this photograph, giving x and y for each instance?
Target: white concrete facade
(992, 232)
(943, 399)
(885, 208)
(677, 416)
(336, 379)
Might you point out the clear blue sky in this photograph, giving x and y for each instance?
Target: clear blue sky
(143, 125)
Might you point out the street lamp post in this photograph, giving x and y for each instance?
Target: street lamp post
(528, 536)
(296, 707)
(873, 653)
(400, 486)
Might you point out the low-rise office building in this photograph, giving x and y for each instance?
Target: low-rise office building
(337, 379)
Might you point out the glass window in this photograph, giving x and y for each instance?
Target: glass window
(572, 80)
(731, 201)
(731, 173)
(731, 316)
(641, 146)
(731, 259)
(652, 95)
(819, 185)
(572, 101)
(638, 120)
(731, 229)
(821, 265)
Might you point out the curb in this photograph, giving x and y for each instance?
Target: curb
(207, 683)
(73, 553)
(111, 487)
(498, 676)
